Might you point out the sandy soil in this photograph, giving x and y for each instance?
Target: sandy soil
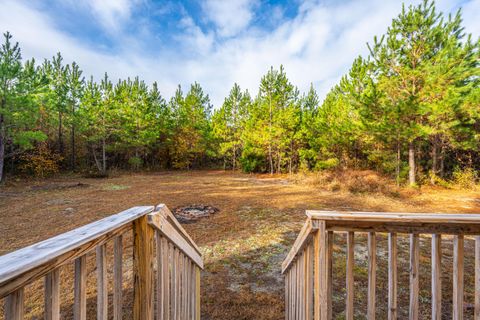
(243, 245)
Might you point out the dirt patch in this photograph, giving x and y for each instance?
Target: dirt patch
(243, 245)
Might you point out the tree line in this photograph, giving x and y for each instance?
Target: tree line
(410, 108)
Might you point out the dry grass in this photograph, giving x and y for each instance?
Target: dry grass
(244, 244)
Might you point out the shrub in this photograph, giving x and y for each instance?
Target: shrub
(135, 162)
(327, 164)
(466, 178)
(41, 161)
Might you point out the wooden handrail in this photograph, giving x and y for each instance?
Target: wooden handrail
(160, 223)
(394, 217)
(23, 266)
(163, 209)
(157, 236)
(317, 235)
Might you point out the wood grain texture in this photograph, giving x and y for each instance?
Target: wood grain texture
(350, 280)
(477, 278)
(102, 283)
(163, 210)
(143, 262)
(458, 247)
(309, 282)
(80, 289)
(197, 293)
(372, 274)
(118, 278)
(287, 295)
(173, 279)
(322, 279)
(26, 265)
(395, 217)
(392, 276)
(330, 239)
(436, 277)
(302, 239)
(414, 276)
(165, 227)
(162, 276)
(52, 295)
(14, 305)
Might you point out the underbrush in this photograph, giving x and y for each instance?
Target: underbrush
(354, 181)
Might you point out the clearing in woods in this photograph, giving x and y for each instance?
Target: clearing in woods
(243, 245)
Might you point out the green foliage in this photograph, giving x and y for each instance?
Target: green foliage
(416, 93)
(327, 164)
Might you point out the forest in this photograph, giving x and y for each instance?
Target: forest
(410, 109)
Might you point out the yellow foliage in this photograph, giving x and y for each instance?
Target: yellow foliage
(41, 161)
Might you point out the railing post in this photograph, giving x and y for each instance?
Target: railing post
(322, 279)
(14, 305)
(143, 261)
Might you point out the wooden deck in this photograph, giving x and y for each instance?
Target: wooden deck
(308, 266)
(159, 242)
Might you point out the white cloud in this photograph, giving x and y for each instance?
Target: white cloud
(111, 13)
(317, 46)
(230, 17)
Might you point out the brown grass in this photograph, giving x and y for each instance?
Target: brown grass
(244, 244)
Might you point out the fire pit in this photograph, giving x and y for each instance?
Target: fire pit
(193, 212)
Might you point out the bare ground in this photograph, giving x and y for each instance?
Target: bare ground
(243, 245)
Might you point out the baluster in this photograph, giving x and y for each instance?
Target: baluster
(372, 274)
(143, 261)
(287, 295)
(350, 280)
(297, 293)
(197, 293)
(173, 284)
(414, 277)
(302, 286)
(52, 295)
(14, 305)
(436, 276)
(171, 250)
(458, 277)
(330, 273)
(161, 266)
(477, 278)
(184, 287)
(309, 282)
(102, 289)
(321, 269)
(80, 295)
(392, 276)
(118, 278)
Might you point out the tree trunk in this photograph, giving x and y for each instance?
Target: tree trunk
(411, 163)
(270, 138)
(72, 141)
(434, 160)
(2, 145)
(73, 156)
(104, 158)
(60, 134)
(442, 161)
(234, 160)
(397, 169)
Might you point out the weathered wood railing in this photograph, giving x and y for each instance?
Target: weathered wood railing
(308, 266)
(177, 263)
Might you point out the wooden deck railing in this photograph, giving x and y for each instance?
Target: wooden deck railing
(156, 235)
(308, 266)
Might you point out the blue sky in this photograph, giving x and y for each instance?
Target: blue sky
(214, 42)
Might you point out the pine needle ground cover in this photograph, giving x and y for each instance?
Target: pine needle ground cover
(244, 244)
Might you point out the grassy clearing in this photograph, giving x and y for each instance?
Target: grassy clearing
(245, 243)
